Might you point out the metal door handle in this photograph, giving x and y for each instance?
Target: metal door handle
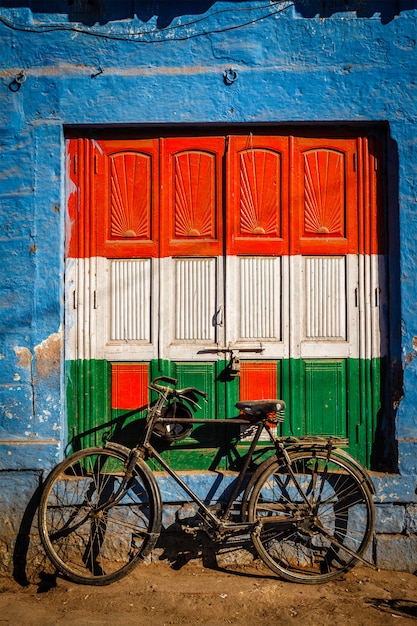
(218, 317)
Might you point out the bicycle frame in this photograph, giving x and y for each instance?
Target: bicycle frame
(152, 453)
(148, 451)
(219, 523)
(307, 506)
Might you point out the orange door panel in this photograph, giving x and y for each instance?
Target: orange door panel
(191, 196)
(257, 215)
(79, 240)
(371, 229)
(258, 379)
(324, 196)
(125, 202)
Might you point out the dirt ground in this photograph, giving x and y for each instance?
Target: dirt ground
(156, 594)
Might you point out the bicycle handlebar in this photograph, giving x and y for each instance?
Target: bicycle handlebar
(168, 379)
(175, 392)
(188, 390)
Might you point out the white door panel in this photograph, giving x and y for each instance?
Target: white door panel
(191, 314)
(256, 306)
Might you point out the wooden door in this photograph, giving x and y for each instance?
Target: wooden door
(246, 265)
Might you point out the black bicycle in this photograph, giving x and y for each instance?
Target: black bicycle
(308, 508)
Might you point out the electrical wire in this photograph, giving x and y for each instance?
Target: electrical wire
(278, 6)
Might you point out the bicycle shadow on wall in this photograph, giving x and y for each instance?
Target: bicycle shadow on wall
(30, 563)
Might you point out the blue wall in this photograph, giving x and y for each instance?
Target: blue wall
(131, 63)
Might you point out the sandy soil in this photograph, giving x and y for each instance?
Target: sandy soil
(162, 593)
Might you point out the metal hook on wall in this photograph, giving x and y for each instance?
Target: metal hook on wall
(18, 81)
(229, 76)
(99, 71)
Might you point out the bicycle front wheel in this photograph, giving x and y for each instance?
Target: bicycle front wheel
(95, 523)
(312, 519)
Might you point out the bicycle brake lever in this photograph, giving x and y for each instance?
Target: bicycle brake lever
(188, 399)
(190, 393)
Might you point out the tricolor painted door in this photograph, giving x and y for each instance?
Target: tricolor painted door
(247, 265)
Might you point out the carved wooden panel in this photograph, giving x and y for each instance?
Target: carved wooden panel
(195, 299)
(260, 301)
(324, 184)
(325, 384)
(191, 183)
(325, 298)
(125, 198)
(195, 198)
(130, 300)
(203, 376)
(129, 385)
(324, 196)
(130, 204)
(257, 216)
(258, 380)
(260, 194)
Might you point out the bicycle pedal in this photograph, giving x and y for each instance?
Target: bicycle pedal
(190, 530)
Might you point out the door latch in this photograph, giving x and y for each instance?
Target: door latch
(234, 365)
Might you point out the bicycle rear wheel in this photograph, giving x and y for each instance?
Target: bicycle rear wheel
(314, 518)
(95, 524)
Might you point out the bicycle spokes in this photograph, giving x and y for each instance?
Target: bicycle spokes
(96, 522)
(314, 521)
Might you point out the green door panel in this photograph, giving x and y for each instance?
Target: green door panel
(325, 397)
(341, 397)
(88, 402)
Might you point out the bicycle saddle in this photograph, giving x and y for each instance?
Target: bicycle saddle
(257, 408)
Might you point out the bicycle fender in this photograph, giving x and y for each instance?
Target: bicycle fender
(358, 467)
(273, 459)
(345, 456)
(117, 447)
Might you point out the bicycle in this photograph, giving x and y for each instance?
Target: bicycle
(307, 508)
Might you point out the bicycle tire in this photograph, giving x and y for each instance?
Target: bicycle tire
(336, 452)
(323, 517)
(88, 538)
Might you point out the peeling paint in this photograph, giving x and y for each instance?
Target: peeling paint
(48, 355)
(25, 357)
(410, 356)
